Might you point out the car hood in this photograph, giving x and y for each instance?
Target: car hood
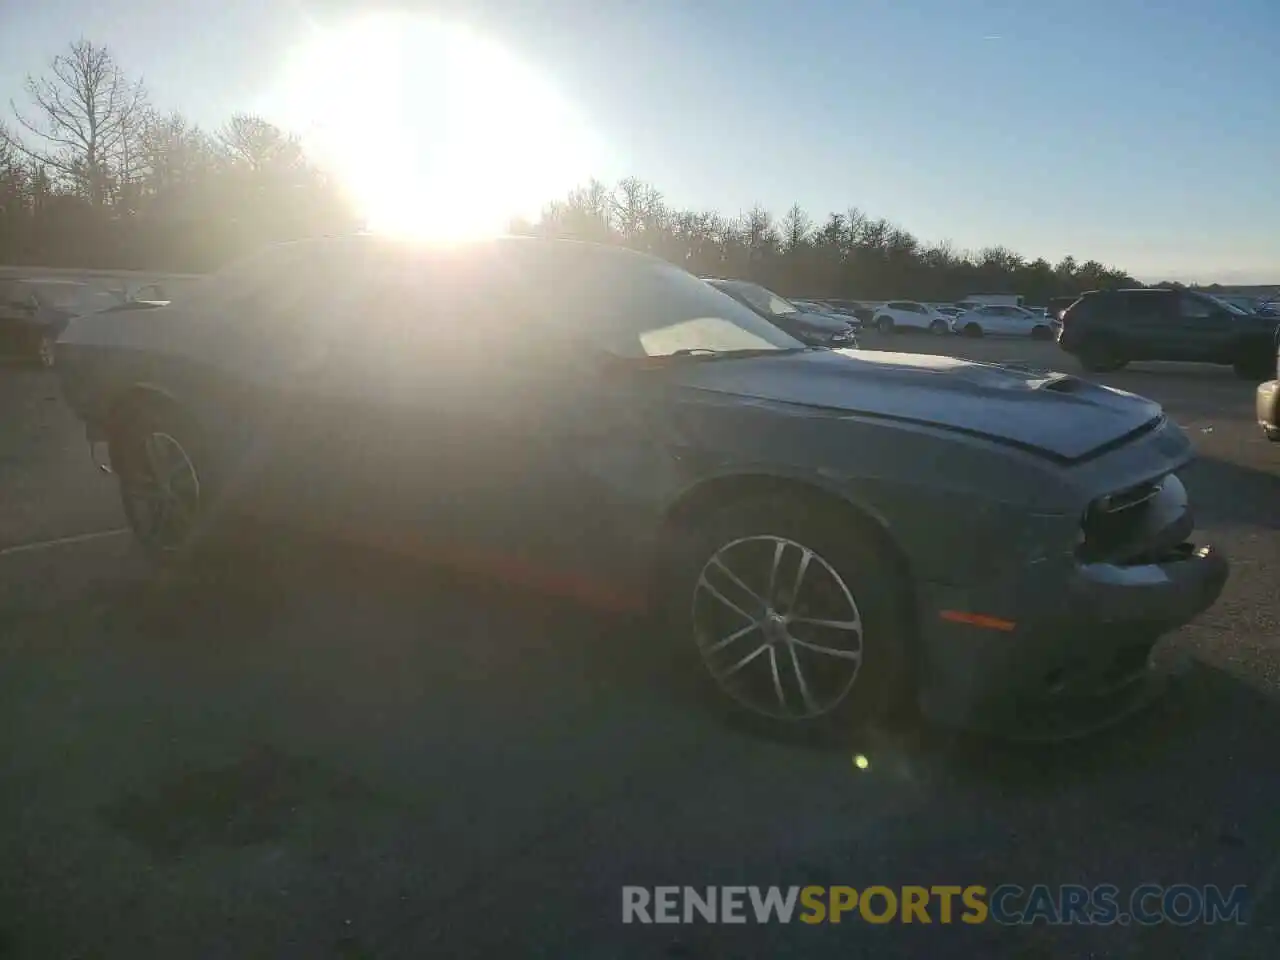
(818, 321)
(1054, 414)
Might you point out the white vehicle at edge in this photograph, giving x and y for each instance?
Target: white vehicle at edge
(1004, 320)
(911, 315)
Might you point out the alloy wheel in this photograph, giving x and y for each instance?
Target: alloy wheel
(777, 628)
(162, 493)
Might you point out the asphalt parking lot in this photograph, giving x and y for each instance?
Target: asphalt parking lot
(352, 758)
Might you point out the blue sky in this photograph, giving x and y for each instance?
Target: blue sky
(1144, 135)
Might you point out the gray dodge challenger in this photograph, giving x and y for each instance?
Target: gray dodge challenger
(825, 535)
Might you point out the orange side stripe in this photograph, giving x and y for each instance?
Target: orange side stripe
(978, 620)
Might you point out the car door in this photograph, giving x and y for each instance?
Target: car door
(996, 320)
(496, 446)
(985, 317)
(1205, 331)
(905, 314)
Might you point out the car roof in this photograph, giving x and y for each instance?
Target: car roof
(370, 243)
(50, 282)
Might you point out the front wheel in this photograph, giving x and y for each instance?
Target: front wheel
(1041, 333)
(939, 327)
(796, 614)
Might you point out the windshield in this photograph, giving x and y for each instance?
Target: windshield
(762, 299)
(637, 306)
(1226, 305)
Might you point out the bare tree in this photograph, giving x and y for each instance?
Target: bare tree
(81, 118)
(256, 146)
(795, 227)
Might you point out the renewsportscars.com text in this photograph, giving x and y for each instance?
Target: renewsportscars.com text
(1007, 904)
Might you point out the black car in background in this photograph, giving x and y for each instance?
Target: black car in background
(814, 329)
(34, 312)
(860, 311)
(1105, 329)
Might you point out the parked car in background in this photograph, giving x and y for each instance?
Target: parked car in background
(828, 309)
(860, 311)
(34, 312)
(647, 441)
(1003, 321)
(1105, 329)
(910, 315)
(993, 300)
(816, 329)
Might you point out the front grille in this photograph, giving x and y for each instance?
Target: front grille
(1139, 524)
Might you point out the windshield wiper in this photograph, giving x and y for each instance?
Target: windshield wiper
(706, 353)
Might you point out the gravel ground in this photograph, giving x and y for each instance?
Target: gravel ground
(351, 758)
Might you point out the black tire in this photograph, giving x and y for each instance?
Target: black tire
(844, 549)
(972, 330)
(939, 327)
(1100, 360)
(1254, 371)
(173, 436)
(1041, 333)
(886, 325)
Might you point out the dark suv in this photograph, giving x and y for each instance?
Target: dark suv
(1105, 329)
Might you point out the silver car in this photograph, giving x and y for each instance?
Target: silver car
(823, 536)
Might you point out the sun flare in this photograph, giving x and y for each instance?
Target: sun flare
(435, 130)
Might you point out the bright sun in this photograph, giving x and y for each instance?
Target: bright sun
(436, 131)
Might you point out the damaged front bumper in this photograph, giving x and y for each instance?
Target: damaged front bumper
(1073, 649)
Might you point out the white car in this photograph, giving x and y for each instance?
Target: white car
(899, 314)
(1004, 320)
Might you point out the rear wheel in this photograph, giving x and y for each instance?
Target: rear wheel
(1254, 370)
(972, 330)
(1101, 360)
(1041, 333)
(796, 614)
(166, 486)
(885, 325)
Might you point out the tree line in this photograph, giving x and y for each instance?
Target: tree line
(847, 255)
(94, 175)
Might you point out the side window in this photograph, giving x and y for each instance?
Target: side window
(915, 308)
(1145, 308)
(1193, 308)
(255, 286)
